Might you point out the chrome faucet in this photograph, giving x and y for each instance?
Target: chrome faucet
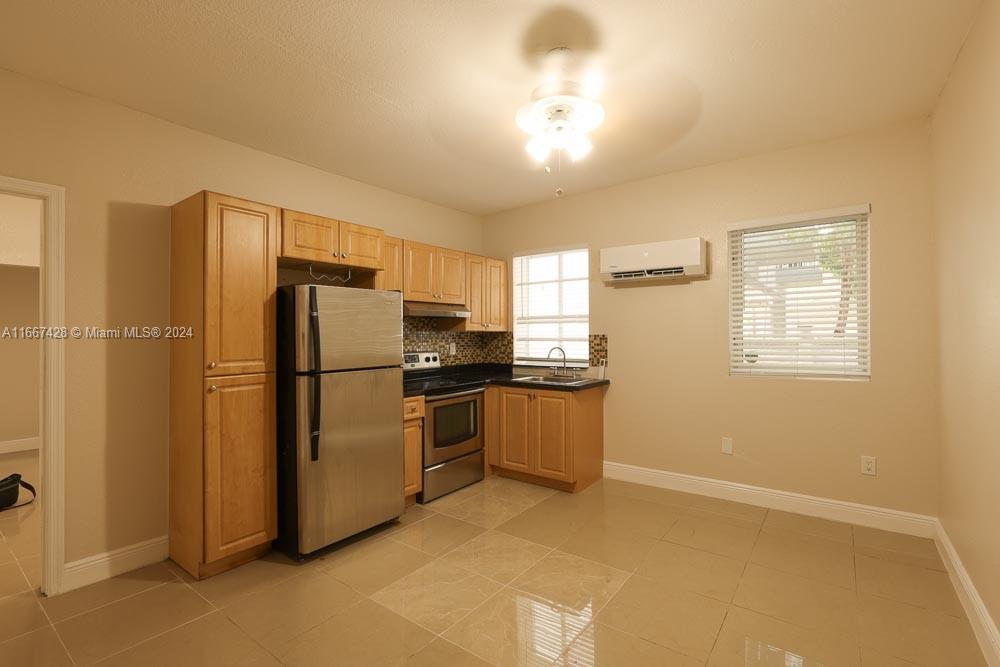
(555, 369)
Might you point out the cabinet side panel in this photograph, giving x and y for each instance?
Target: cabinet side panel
(186, 310)
(588, 432)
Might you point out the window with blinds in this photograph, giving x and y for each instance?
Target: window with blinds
(552, 306)
(798, 299)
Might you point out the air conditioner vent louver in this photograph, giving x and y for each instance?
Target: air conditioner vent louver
(648, 273)
(682, 258)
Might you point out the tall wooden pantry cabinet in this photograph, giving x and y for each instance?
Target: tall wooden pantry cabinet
(223, 254)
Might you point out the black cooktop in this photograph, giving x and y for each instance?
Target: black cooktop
(448, 379)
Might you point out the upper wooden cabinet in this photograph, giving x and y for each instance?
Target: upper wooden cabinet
(451, 276)
(314, 238)
(497, 306)
(309, 237)
(391, 277)
(548, 435)
(419, 273)
(240, 240)
(433, 274)
(361, 246)
(485, 295)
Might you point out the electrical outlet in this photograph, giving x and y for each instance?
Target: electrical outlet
(727, 446)
(868, 466)
(451, 349)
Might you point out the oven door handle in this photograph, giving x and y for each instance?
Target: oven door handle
(457, 394)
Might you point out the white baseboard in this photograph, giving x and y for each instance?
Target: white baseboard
(112, 563)
(825, 508)
(20, 445)
(979, 616)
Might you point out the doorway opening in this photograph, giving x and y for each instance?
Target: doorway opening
(31, 394)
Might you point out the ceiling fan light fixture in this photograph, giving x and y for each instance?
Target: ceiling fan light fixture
(558, 118)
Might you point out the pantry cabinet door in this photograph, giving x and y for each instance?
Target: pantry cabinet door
(239, 460)
(240, 276)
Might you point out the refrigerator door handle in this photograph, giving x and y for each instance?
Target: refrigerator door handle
(314, 417)
(314, 329)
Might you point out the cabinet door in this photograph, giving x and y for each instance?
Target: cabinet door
(451, 276)
(495, 295)
(361, 246)
(391, 278)
(552, 436)
(475, 294)
(419, 280)
(240, 273)
(515, 429)
(239, 460)
(310, 237)
(413, 449)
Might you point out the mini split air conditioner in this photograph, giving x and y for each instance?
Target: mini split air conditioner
(684, 258)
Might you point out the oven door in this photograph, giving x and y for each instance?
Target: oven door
(453, 426)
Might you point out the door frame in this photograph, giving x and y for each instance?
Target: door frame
(53, 427)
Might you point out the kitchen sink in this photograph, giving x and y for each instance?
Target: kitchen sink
(551, 379)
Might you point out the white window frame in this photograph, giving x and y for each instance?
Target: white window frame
(556, 360)
(790, 221)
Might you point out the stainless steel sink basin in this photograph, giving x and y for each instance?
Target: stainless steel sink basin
(551, 379)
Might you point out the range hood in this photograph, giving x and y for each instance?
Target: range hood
(421, 309)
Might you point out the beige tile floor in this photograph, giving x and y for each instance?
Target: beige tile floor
(505, 573)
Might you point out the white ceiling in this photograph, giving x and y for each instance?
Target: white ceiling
(420, 97)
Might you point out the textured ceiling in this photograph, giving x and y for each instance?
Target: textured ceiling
(419, 97)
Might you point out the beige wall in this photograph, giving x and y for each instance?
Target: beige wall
(20, 230)
(672, 400)
(122, 170)
(19, 358)
(966, 159)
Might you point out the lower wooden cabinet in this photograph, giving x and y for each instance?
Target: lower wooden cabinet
(545, 435)
(413, 445)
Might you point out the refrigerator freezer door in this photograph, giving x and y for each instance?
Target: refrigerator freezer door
(356, 481)
(349, 328)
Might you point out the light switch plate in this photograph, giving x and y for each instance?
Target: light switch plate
(727, 446)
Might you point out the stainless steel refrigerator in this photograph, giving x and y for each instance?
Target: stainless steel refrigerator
(340, 413)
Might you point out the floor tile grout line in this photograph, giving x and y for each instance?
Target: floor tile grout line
(154, 636)
(109, 603)
(732, 600)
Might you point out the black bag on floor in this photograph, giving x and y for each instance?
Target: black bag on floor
(9, 488)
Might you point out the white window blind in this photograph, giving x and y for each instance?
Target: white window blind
(798, 299)
(552, 306)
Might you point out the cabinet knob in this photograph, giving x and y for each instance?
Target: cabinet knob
(344, 255)
(212, 364)
(213, 389)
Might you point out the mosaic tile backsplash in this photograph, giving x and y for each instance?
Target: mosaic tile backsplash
(474, 347)
(471, 347)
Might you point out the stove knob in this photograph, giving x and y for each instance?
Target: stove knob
(435, 357)
(427, 358)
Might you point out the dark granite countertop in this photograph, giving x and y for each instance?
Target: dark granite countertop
(449, 379)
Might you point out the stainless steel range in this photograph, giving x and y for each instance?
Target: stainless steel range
(453, 425)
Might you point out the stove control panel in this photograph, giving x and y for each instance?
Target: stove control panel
(413, 360)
